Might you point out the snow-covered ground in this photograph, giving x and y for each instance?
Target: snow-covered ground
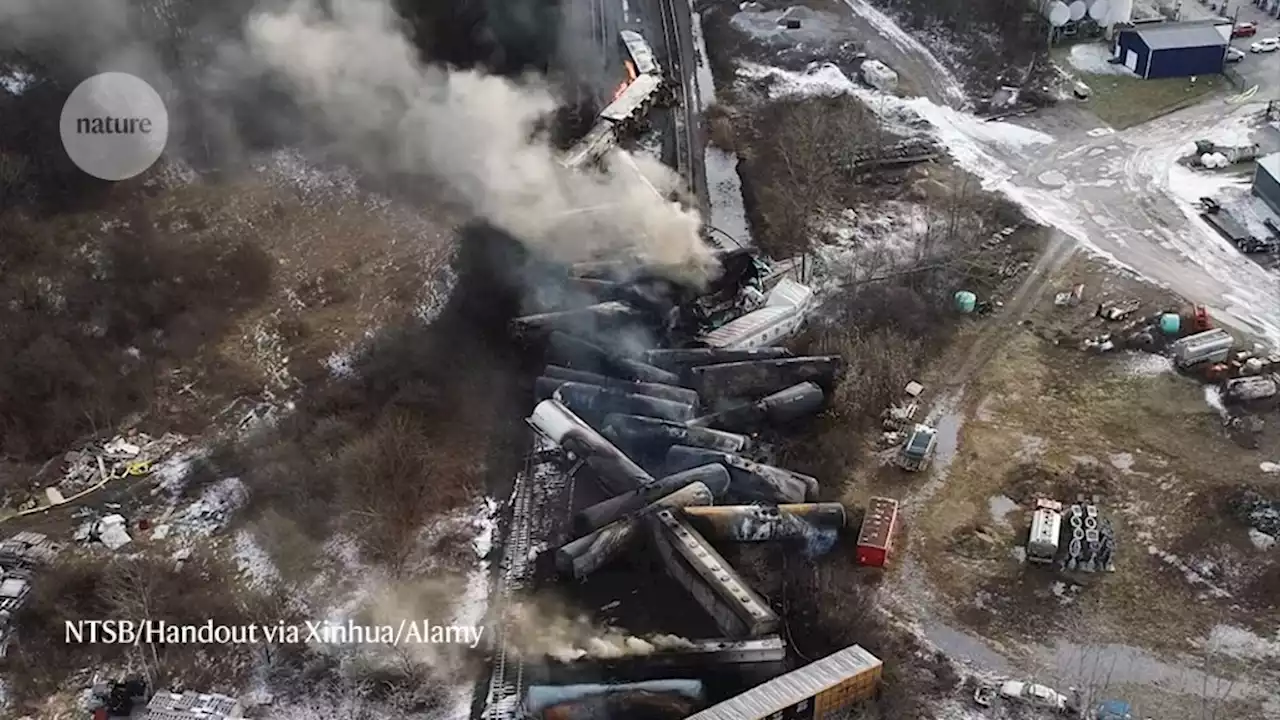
(910, 46)
(1093, 57)
(1122, 196)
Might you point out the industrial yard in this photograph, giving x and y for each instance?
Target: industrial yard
(645, 359)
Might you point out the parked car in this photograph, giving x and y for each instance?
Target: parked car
(1234, 55)
(1112, 710)
(1034, 695)
(1265, 45)
(1244, 29)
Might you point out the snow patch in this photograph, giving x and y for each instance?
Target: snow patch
(1261, 540)
(1193, 575)
(1092, 58)
(1269, 467)
(213, 509)
(1240, 643)
(861, 244)
(340, 364)
(253, 561)
(1213, 398)
(894, 33)
(1122, 462)
(1140, 364)
(1000, 506)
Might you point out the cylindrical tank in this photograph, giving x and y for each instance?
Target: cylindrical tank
(666, 392)
(714, 477)
(583, 556)
(1170, 323)
(617, 472)
(649, 437)
(753, 379)
(1057, 13)
(765, 523)
(578, 319)
(1077, 10)
(749, 481)
(593, 403)
(677, 359)
(781, 407)
(541, 697)
(1100, 11)
(965, 300)
(579, 354)
(1121, 11)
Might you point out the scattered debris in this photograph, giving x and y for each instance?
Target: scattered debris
(110, 531)
(1070, 298)
(1117, 311)
(121, 457)
(20, 557)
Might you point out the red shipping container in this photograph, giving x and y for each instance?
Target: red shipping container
(875, 539)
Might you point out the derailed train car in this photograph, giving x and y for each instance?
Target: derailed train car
(640, 57)
(647, 87)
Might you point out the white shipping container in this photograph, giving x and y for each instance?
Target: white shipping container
(1046, 530)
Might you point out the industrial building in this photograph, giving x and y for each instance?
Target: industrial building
(1266, 180)
(822, 690)
(1167, 50)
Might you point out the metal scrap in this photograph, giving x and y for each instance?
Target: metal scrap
(121, 457)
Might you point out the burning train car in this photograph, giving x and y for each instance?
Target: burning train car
(667, 433)
(645, 88)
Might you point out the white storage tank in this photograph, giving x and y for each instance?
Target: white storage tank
(1209, 346)
(1046, 530)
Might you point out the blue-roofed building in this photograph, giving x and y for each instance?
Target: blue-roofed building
(1163, 50)
(1266, 181)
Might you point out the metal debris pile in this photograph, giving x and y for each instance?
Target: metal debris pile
(1258, 512)
(123, 456)
(660, 394)
(20, 557)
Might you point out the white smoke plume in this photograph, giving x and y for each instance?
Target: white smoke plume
(357, 72)
(543, 629)
(351, 65)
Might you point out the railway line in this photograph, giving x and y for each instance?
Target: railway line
(541, 500)
(541, 495)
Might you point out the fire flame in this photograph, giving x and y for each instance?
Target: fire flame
(617, 92)
(631, 70)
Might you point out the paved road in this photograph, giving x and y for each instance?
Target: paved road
(1125, 195)
(1257, 69)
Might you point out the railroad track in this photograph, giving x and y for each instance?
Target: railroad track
(540, 506)
(506, 677)
(684, 115)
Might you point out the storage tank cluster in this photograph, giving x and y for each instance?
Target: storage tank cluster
(1103, 12)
